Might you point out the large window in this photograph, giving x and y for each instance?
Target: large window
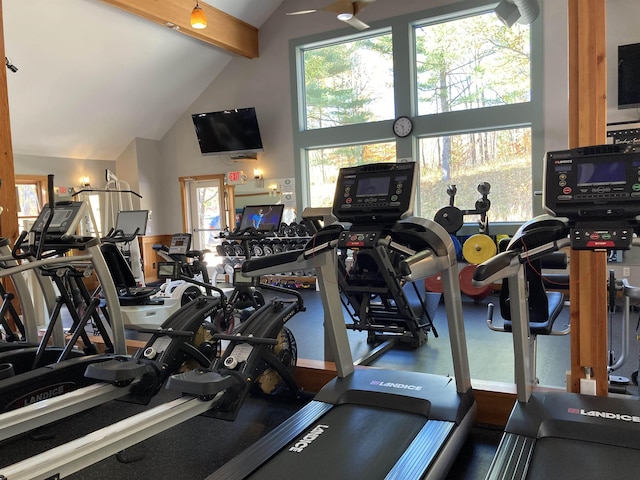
(324, 164)
(464, 78)
(472, 62)
(30, 193)
(348, 82)
(500, 158)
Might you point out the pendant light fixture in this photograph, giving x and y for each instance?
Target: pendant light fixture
(198, 18)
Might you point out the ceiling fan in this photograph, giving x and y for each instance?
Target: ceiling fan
(345, 10)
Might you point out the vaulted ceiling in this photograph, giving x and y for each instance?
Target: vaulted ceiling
(92, 75)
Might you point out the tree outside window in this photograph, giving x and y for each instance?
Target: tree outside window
(348, 83)
(469, 86)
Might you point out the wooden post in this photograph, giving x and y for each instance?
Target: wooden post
(587, 126)
(8, 200)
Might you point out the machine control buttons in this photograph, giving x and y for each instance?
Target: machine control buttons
(619, 238)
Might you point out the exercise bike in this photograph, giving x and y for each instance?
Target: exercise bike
(184, 269)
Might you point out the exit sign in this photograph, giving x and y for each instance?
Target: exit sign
(234, 178)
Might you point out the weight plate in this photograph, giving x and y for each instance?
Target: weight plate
(434, 283)
(483, 205)
(450, 218)
(228, 249)
(301, 230)
(484, 188)
(457, 246)
(478, 248)
(502, 241)
(468, 288)
(267, 250)
(238, 250)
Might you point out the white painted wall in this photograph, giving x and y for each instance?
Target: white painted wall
(265, 84)
(66, 171)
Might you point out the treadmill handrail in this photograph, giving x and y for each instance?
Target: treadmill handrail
(507, 264)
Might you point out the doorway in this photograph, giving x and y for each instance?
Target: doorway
(205, 209)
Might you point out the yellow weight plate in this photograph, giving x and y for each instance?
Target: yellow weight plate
(478, 248)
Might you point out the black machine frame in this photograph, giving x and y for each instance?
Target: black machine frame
(553, 434)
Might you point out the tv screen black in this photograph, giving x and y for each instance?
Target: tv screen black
(228, 132)
(629, 76)
(264, 218)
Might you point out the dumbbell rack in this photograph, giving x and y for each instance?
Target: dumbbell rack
(288, 237)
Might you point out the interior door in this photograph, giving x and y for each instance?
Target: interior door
(205, 210)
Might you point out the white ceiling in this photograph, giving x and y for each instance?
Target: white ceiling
(91, 77)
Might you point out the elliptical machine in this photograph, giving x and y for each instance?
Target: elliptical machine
(44, 371)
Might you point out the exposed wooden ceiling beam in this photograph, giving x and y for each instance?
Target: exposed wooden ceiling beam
(222, 30)
(8, 197)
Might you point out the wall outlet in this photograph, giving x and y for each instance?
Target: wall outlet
(626, 272)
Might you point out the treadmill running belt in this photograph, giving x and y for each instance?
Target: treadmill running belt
(350, 441)
(562, 458)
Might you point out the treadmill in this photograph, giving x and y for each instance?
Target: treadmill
(592, 194)
(370, 422)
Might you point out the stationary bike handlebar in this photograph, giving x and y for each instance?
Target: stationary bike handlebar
(118, 236)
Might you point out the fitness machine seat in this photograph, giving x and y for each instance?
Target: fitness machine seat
(554, 302)
(544, 306)
(129, 293)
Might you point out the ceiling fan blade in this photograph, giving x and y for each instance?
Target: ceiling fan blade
(302, 12)
(347, 9)
(357, 24)
(338, 7)
(359, 5)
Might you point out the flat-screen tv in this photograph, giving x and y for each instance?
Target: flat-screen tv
(629, 76)
(228, 132)
(263, 218)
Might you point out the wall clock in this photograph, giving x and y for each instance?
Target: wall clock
(402, 126)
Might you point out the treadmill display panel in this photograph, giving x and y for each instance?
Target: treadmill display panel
(380, 192)
(591, 183)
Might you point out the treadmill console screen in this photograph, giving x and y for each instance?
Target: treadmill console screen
(379, 192)
(591, 183)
